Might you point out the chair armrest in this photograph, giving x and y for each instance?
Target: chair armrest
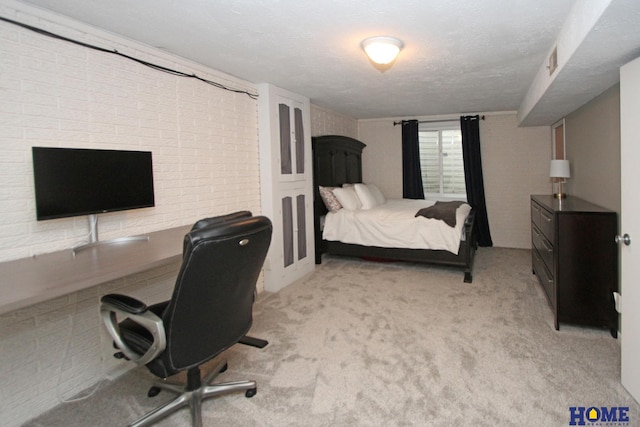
(113, 306)
(125, 303)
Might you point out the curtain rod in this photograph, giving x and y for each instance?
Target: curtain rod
(433, 121)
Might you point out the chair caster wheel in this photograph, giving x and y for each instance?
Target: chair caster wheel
(251, 392)
(154, 391)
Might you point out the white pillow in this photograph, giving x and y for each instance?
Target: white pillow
(366, 197)
(377, 194)
(347, 198)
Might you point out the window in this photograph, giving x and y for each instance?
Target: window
(441, 160)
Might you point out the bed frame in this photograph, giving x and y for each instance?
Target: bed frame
(338, 160)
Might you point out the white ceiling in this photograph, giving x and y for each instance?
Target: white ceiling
(460, 56)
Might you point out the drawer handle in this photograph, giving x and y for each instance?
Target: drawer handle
(547, 248)
(546, 218)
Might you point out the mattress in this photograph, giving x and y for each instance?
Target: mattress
(394, 225)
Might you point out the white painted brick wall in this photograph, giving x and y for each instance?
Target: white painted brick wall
(52, 93)
(327, 122)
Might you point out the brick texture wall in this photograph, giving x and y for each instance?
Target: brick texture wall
(327, 122)
(53, 93)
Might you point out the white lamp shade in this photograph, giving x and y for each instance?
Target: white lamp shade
(560, 169)
(382, 50)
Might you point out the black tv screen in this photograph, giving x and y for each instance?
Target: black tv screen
(76, 181)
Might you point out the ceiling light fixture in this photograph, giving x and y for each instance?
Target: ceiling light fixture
(382, 50)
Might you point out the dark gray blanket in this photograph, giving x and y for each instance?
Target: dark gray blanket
(445, 211)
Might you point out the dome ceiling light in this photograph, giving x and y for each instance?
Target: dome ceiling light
(382, 50)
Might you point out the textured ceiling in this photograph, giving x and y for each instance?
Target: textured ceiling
(461, 56)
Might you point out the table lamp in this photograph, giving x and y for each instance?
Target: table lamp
(559, 172)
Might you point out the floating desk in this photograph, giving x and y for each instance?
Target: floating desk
(28, 281)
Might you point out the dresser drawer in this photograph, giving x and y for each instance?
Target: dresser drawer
(543, 219)
(535, 213)
(543, 246)
(545, 278)
(546, 224)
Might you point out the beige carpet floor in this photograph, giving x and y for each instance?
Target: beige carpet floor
(397, 344)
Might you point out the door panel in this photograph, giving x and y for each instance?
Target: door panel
(630, 213)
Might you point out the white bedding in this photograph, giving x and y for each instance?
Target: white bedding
(394, 225)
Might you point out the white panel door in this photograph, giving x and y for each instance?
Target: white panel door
(629, 224)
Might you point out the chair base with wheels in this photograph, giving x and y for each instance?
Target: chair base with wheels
(192, 394)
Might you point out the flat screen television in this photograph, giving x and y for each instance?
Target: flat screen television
(77, 181)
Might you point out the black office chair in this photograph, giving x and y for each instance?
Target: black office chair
(210, 310)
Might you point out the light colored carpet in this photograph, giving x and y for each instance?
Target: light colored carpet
(396, 344)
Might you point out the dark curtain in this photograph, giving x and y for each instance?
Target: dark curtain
(411, 174)
(474, 182)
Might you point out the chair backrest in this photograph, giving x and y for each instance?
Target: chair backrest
(215, 220)
(211, 306)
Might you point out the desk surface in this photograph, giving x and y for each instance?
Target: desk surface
(28, 281)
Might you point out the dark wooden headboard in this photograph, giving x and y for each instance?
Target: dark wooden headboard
(336, 160)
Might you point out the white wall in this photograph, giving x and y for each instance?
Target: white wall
(53, 93)
(515, 165)
(327, 122)
(592, 135)
(382, 156)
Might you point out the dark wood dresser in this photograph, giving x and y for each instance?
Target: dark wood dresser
(575, 257)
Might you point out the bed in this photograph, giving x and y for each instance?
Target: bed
(337, 160)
